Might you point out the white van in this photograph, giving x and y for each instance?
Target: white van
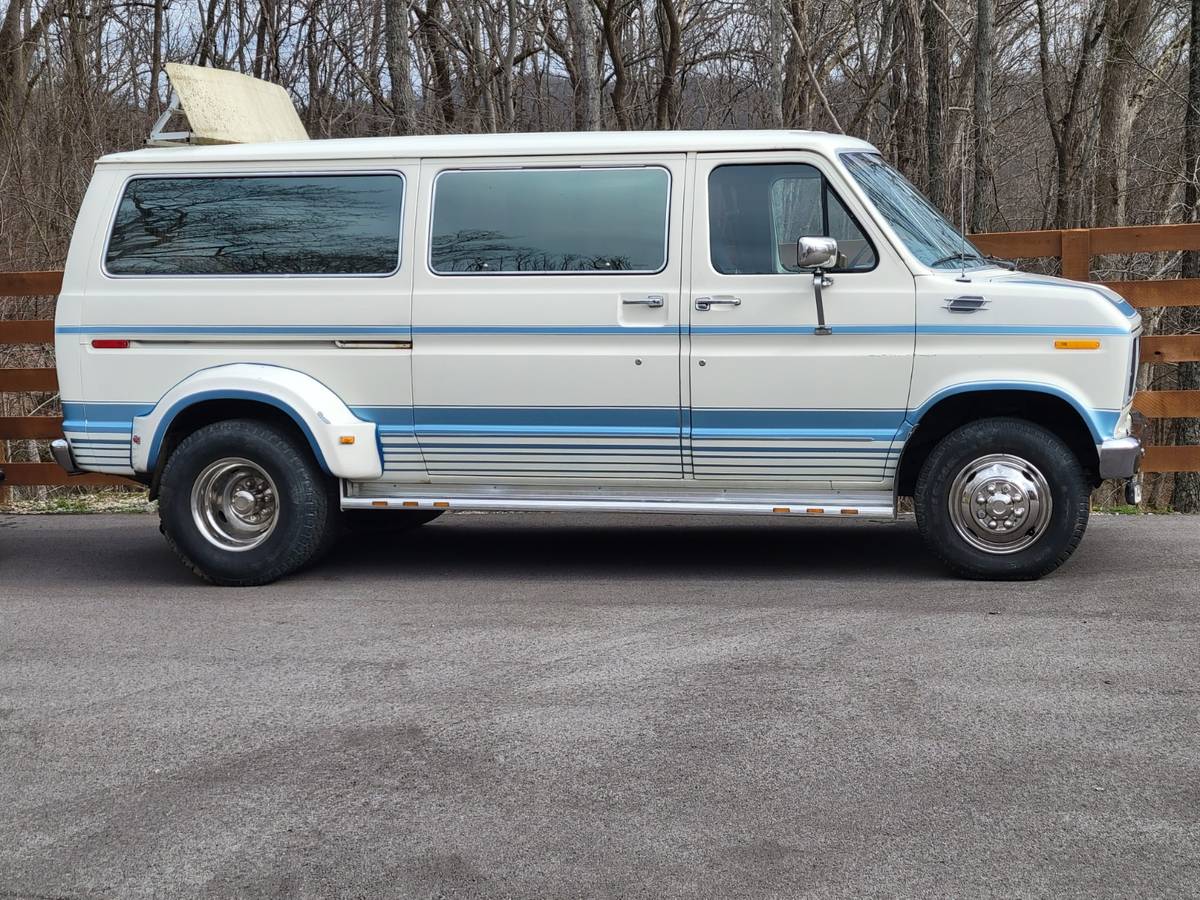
(281, 338)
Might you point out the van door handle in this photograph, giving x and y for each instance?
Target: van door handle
(706, 303)
(654, 301)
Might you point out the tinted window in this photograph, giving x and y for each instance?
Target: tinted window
(269, 225)
(756, 213)
(550, 220)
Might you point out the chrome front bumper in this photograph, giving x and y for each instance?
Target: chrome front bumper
(1120, 457)
(61, 451)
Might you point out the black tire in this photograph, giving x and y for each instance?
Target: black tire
(1052, 543)
(306, 499)
(391, 521)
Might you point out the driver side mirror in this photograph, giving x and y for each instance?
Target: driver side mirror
(816, 253)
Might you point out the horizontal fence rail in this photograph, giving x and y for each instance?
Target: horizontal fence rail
(1074, 247)
(34, 380)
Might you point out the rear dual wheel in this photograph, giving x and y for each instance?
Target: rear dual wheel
(1002, 499)
(244, 502)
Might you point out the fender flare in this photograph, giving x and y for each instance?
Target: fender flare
(1100, 423)
(319, 413)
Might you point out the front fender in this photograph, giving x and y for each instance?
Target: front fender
(318, 412)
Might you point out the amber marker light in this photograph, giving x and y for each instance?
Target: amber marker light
(1077, 345)
(346, 439)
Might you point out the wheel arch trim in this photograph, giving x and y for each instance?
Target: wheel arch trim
(1101, 423)
(322, 417)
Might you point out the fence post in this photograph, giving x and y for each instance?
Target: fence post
(5, 490)
(1077, 254)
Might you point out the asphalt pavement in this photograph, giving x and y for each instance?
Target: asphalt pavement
(529, 706)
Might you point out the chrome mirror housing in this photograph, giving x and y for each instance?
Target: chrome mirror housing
(816, 252)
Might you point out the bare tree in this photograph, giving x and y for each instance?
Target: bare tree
(1186, 494)
(1125, 23)
(670, 36)
(399, 64)
(982, 108)
(935, 40)
(1066, 117)
(581, 23)
(614, 18)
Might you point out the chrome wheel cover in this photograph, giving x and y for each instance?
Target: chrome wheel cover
(234, 504)
(1000, 503)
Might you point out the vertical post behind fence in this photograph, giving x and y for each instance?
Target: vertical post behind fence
(5, 490)
(1077, 254)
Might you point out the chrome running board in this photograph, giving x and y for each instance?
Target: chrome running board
(709, 501)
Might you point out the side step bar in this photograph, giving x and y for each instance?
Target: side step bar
(855, 504)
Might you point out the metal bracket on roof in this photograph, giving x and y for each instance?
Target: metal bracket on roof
(159, 137)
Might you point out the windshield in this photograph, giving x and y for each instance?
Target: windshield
(925, 231)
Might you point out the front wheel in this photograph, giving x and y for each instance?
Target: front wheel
(244, 503)
(1002, 499)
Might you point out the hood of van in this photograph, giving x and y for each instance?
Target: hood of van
(1067, 290)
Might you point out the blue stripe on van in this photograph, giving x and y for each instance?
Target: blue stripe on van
(1116, 299)
(389, 417)
(665, 417)
(545, 329)
(403, 331)
(796, 418)
(400, 331)
(97, 417)
(1058, 330)
(1055, 330)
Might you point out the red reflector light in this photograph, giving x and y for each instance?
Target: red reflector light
(110, 344)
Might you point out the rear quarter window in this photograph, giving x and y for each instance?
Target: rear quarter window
(258, 225)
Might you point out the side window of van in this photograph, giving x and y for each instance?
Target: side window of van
(756, 213)
(534, 221)
(258, 225)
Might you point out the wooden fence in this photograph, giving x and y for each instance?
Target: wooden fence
(1074, 247)
(17, 331)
